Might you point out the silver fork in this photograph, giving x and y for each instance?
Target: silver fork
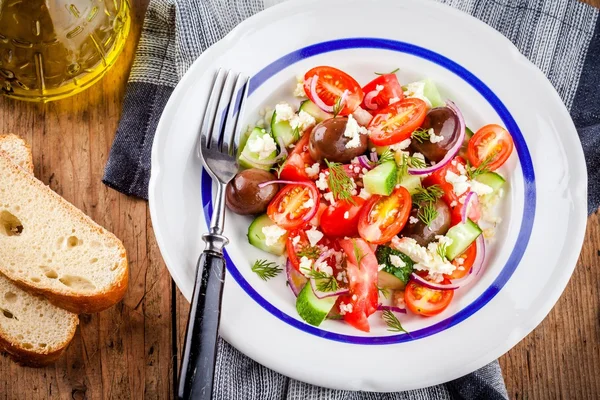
(217, 147)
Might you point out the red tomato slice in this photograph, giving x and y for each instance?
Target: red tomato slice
(293, 246)
(493, 142)
(331, 83)
(294, 168)
(288, 209)
(316, 220)
(397, 122)
(464, 262)
(335, 221)
(376, 100)
(362, 282)
(425, 301)
(383, 217)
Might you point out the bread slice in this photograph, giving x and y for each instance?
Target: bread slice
(18, 151)
(33, 331)
(50, 247)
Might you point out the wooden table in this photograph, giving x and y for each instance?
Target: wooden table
(131, 350)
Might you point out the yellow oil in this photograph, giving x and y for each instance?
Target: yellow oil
(52, 49)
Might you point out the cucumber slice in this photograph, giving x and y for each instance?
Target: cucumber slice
(312, 309)
(412, 183)
(393, 276)
(433, 95)
(282, 131)
(464, 148)
(381, 179)
(462, 236)
(312, 109)
(248, 159)
(492, 179)
(257, 238)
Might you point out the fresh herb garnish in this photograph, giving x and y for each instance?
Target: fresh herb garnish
(441, 250)
(384, 291)
(324, 281)
(266, 269)
(338, 106)
(387, 73)
(408, 161)
(340, 184)
(392, 322)
(430, 194)
(387, 155)
(427, 213)
(309, 251)
(358, 254)
(421, 135)
(279, 168)
(484, 167)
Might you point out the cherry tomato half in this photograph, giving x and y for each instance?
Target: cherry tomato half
(289, 208)
(376, 100)
(298, 241)
(383, 217)
(341, 219)
(490, 142)
(397, 122)
(464, 262)
(294, 168)
(331, 83)
(425, 301)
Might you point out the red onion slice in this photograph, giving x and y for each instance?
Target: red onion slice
(295, 279)
(365, 162)
(452, 152)
(318, 101)
(323, 295)
(381, 307)
(470, 200)
(475, 270)
(369, 99)
(374, 157)
(362, 116)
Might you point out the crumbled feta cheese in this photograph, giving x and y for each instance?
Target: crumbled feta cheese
(379, 88)
(323, 267)
(419, 156)
(272, 234)
(453, 204)
(345, 308)
(353, 131)
(364, 193)
(480, 188)
(461, 168)
(400, 146)
(393, 100)
(397, 261)
(461, 268)
(426, 259)
(433, 138)
(347, 215)
(296, 240)
(381, 266)
(459, 183)
(417, 90)
(329, 197)
(299, 89)
(284, 112)
(308, 203)
(305, 265)
(263, 146)
(354, 297)
(459, 261)
(489, 233)
(413, 220)
(302, 121)
(314, 236)
(313, 170)
(322, 182)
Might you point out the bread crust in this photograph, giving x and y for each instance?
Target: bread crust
(29, 162)
(77, 303)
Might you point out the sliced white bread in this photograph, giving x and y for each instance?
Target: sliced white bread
(50, 247)
(18, 151)
(32, 330)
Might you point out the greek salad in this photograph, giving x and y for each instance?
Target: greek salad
(378, 197)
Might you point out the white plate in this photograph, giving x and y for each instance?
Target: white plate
(537, 243)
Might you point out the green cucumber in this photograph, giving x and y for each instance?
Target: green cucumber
(464, 148)
(312, 109)
(392, 276)
(257, 238)
(248, 159)
(433, 95)
(282, 131)
(462, 236)
(492, 179)
(412, 183)
(312, 309)
(381, 179)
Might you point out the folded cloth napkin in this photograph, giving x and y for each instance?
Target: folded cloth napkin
(562, 37)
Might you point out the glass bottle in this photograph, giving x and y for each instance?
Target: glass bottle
(51, 49)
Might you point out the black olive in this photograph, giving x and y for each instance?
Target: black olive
(444, 122)
(243, 196)
(327, 141)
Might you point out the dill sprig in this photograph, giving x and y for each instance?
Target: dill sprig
(324, 281)
(383, 291)
(338, 106)
(408, 161)
(430, 194)
(441, 250)
(266, 269)
(427, 213)
(358, 254)
(387, 155)
(340, 184)
(387, 73)
(421, 135)
(484, 167)
(309, 251)
(392, 322)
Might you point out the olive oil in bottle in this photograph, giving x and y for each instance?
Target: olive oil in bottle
(51, 49)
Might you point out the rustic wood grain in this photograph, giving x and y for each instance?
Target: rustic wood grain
(127, 352)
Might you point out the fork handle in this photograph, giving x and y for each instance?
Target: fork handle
(200, 351)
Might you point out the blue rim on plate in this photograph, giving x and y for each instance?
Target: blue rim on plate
(524, 157)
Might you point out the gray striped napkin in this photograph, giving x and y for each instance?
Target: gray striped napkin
(562, 37)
